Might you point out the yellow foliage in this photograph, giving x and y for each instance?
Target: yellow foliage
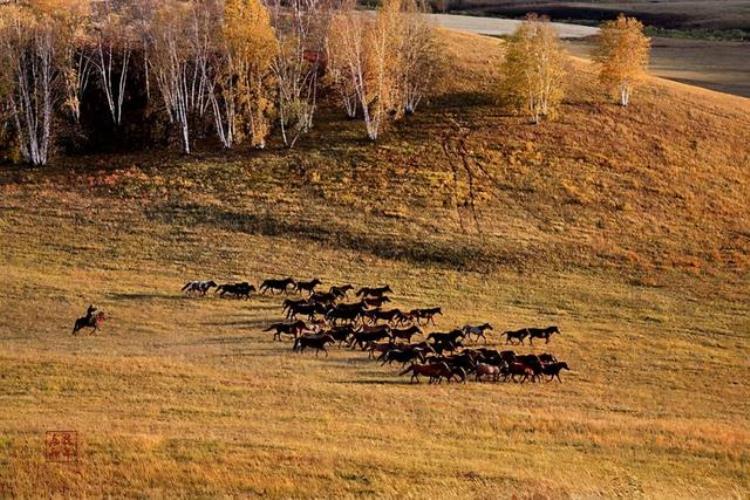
(622, 55)
(535, 69)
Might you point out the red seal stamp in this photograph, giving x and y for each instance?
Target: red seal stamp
(61, 446)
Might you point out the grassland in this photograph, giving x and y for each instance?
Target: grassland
(628, 228)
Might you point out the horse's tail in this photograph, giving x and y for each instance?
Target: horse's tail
(270, 328)
(186, 286)
(410, 369)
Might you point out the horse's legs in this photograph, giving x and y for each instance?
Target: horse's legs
(558, 377)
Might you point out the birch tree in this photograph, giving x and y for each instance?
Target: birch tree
(72, 17)
(176, 54)
(27, 51)
(345, 56)
(241, 95)
(622, 55)
(301, 27)
(369, 52)
(421, 64)
(534, 69)
(112, 47)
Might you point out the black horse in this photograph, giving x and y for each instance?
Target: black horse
(92, 319)
(317, 342)
(340, 291)
(405, 333)
(542, 333)
(293, 328)
(427, 314)
(367, 291)
(276, 285)
(516, 335)
(451, 336)
(553, 370)
(307, 286)
(239, 290)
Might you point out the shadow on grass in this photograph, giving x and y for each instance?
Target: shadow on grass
(378, 382)
(144, 296)
(457, 254)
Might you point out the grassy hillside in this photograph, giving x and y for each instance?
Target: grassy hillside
(630, 229)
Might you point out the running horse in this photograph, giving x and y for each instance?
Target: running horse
(92, 319)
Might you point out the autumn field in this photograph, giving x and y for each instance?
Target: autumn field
(628, 228)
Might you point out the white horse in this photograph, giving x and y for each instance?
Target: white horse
(200, 287)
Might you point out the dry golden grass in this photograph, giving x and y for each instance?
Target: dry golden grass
(628, 228)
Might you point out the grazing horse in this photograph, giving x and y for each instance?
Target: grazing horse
(426, 314)
(406, 333)
(451, 336)
(308, 286)
(317, 342)
(293, 328)
(92, 319)
(367, 291)
(340, 291)
(238, 290)
(280, 285)
(200, 287)
(514, 335)
(553, 370)
(485, 370)
(477, 330)
(435, 371)
(542, 333)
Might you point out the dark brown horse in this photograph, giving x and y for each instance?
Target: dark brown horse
(238, 290)
(553, 370)
(376, 301)
(451, 336)
(369, 334)
(340, 291)
(294, 328)
(402, 357)
(427, 314)
(542, 333)
(316, 342)
(367, 291)
(435, 372)
(307, 286)
(92, 319)
(512, 336)
(277, 285)
(406, 333)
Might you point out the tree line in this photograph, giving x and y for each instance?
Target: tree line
(240, 69)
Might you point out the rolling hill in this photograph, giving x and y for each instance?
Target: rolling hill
(628, 228)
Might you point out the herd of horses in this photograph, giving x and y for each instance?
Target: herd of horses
(320, 319)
